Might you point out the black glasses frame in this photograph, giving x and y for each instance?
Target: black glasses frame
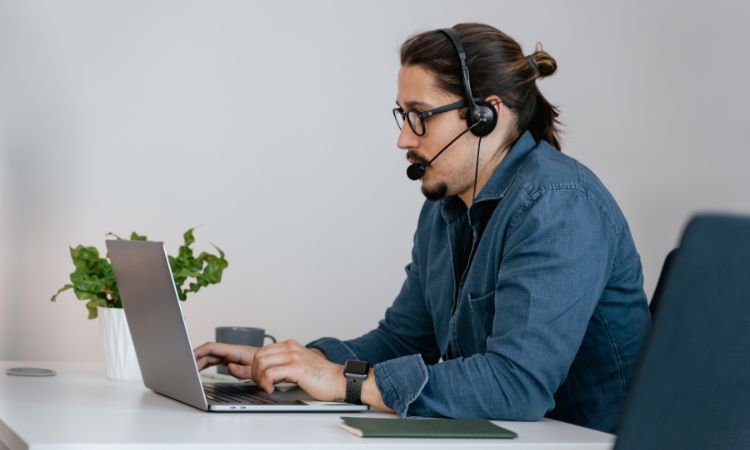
(406, 116)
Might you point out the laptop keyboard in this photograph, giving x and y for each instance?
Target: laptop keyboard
(225, 393)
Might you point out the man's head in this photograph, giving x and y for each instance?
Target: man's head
(430, 77)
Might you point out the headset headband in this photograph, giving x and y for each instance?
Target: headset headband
(456, 39)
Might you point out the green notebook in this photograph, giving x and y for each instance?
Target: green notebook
(425, 428)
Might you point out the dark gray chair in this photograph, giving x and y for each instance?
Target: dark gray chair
(691, 389)
(656, 298)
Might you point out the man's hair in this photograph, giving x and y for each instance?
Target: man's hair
(497, 67)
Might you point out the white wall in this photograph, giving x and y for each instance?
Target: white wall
(269, 123)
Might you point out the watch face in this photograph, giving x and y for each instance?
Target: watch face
(356, 367)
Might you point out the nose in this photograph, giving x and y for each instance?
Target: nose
(406, 138)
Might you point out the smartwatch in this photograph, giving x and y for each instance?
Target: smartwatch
(356, 373)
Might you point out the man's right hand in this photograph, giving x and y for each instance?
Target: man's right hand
(237, 358)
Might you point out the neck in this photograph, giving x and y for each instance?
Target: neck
(485, 173)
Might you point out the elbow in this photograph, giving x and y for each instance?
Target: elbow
(518, 395)
(533, 404)
(531, 412)
(529, 409)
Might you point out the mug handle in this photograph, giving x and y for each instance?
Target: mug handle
(269, 336)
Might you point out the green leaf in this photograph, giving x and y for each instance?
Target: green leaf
(91, 306)
(64, 288)
(221, 252)
(204, 270)
(137, 237)
(93, 279)
(188, 236)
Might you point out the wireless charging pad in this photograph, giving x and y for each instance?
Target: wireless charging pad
(30, 372)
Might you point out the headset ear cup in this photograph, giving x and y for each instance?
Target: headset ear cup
(484, 112)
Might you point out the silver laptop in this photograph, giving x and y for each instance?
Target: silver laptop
(163, 347)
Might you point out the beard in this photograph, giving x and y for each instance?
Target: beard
(432, 193)
(435, 192)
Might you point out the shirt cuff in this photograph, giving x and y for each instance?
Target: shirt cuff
(335, 350)
(400, 381)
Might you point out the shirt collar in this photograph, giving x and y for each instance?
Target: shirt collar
(498, 183)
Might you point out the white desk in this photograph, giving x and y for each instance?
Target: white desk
(81, 408)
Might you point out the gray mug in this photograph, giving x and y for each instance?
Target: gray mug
(243, 336)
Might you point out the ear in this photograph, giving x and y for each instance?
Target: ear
(497, 103)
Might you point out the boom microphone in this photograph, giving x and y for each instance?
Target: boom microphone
(417, 170)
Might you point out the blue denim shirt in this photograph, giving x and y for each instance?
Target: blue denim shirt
(547, 317)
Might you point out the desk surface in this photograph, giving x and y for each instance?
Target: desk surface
(81, 408)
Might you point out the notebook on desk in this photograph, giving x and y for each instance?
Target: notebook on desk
(439, 428)
(163, 348)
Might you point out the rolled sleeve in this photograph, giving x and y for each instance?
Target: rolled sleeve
(401, 381)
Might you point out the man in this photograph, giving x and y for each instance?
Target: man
(524, 296)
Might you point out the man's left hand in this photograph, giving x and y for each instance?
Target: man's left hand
(291, 361)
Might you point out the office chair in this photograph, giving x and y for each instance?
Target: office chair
(668, 262)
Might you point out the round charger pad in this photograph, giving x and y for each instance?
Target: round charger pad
(30, 372)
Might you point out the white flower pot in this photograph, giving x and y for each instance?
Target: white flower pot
(119, 353)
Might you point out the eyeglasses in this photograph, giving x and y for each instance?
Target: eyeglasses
(416, 118)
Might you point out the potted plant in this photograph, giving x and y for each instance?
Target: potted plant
(94, 281)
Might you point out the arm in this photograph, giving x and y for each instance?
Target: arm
(555, 265)
(370, 393)
(553, 271)
(406, 329)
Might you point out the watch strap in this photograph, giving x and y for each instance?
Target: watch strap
(354, 380)
(354, 388)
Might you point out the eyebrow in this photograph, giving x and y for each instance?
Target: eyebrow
(415, 104)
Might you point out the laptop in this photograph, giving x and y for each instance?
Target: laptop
(163, 347)
(691, 389)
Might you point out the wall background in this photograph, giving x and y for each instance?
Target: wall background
(269, 124)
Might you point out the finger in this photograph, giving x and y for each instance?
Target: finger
(238, 371)
(203, 349)
(207, 361)
(241, 354)
(263, 362)
(212, 348)
(288, 372)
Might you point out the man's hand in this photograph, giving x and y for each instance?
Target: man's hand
(284, 361)
(291, 361)
(237, 358)
(287, 361)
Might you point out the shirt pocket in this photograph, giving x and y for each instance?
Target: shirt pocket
(483, 315)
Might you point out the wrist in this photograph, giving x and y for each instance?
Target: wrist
(369, 389)
(341, 383)
(371, 394)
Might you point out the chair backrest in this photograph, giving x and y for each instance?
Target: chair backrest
(656, 298)
(691, 388)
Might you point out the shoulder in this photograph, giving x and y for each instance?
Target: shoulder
(547, 168)
(551, 176)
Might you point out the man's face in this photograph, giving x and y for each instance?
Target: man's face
(453, 172)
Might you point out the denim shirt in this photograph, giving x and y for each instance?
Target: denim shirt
(546, 319)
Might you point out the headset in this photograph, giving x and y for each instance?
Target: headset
(481, 117)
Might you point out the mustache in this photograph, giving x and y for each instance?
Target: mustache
(412, 155)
